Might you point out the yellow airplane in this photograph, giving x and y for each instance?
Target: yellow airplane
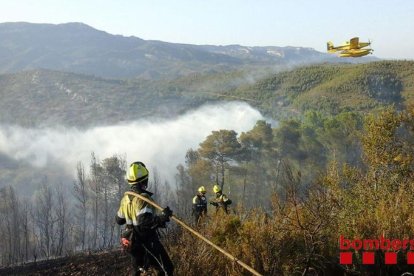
(352, 48)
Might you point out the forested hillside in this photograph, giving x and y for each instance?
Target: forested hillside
(332, 89)
(49, 98)
(55, 98)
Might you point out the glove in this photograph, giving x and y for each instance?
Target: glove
(167, 213)
(162, 219)
(214, 203)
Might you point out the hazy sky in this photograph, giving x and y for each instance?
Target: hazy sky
(388, 24)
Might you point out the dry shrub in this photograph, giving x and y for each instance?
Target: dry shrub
(285, 241)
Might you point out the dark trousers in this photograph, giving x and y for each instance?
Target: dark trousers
(151, 253)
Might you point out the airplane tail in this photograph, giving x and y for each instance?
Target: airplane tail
(329, 46)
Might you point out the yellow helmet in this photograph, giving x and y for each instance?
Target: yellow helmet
(202, 190)
(216, 189)
(136, 173)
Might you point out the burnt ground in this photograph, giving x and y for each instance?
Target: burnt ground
(101, 263)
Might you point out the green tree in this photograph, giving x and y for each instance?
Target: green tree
(287, 139)
(259, 160)
(220, 148)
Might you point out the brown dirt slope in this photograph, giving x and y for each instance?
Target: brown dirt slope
(101, 263)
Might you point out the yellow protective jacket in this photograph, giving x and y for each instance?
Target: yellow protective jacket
(221, 201)
(139, 215)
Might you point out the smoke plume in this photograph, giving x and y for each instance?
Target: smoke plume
(157, 143)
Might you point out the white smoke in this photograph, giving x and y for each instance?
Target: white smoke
(158, 143)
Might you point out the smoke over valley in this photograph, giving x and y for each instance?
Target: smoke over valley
(158, 143)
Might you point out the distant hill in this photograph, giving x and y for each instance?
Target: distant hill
(43, 97)
(79, 48)
(48, 98)
(332, 89)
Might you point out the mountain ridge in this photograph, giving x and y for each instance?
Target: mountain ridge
(79, 48)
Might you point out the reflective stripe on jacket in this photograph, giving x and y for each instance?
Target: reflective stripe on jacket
(131, 207)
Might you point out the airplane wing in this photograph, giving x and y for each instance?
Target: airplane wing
(354, 43)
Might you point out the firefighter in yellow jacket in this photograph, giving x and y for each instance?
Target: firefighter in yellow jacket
(221, 201)
(200, 205)
(141, 238)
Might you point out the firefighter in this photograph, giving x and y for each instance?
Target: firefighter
(140, 238)
(200, 205)
(221, 201)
